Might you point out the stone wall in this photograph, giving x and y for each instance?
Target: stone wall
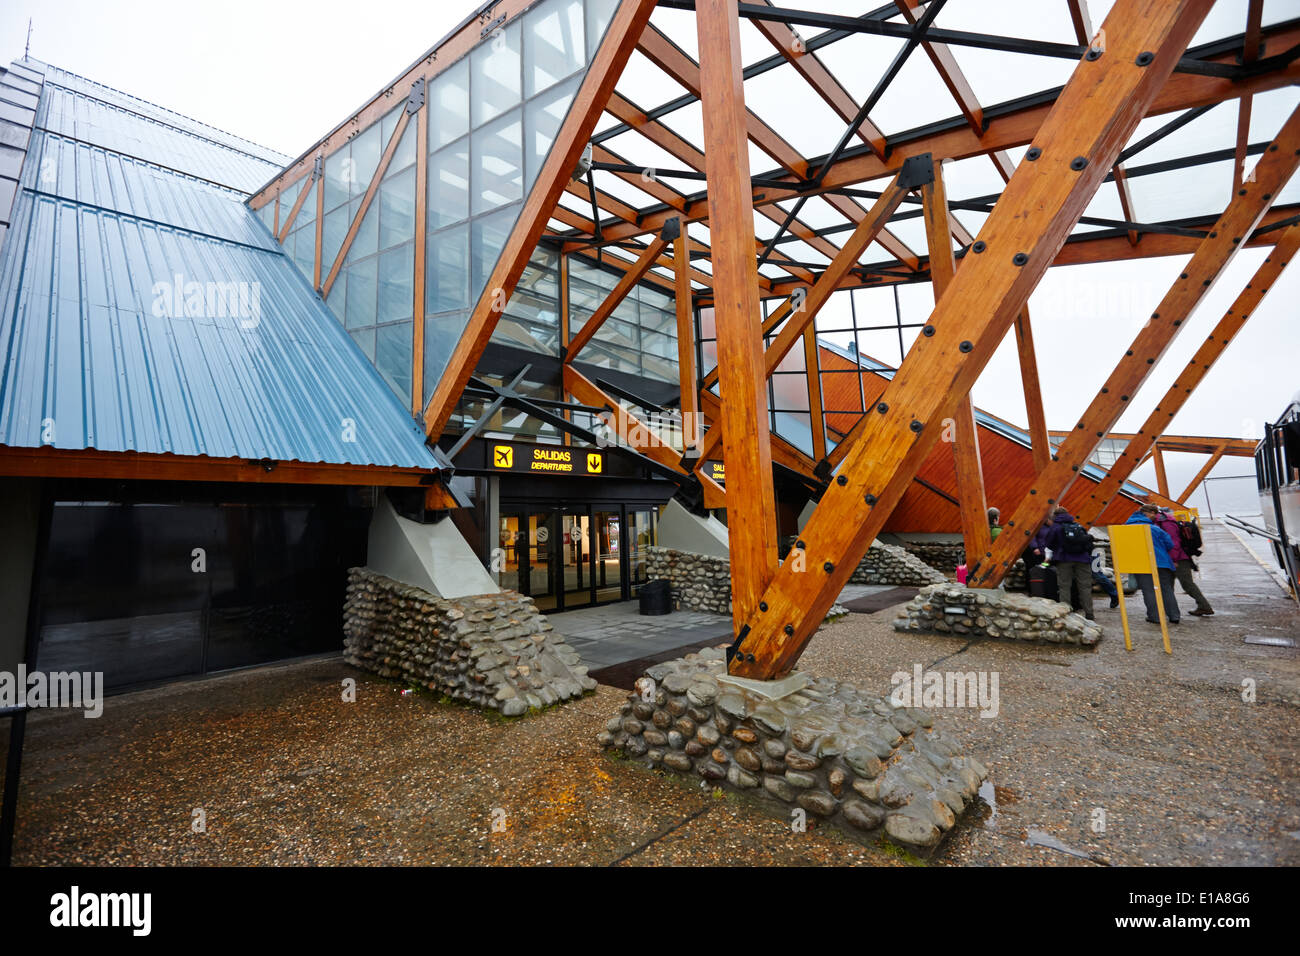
(979, 612)
(890, 564)
(699, 582)
(491, 650)
(831, 749)
(941, 555)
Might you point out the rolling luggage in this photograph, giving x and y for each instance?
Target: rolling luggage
(1043, 583)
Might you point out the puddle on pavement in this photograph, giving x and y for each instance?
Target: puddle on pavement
(992, 800)
(1044, 839)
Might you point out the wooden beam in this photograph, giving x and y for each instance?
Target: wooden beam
(632, 432)
(946, 65)
(1162, 479)
(616, 296)
(297, 205)
(1081, 21)
(367, 198)
(751, 502)
(972, 503)
(1004, 131)
(1093, 117)
(1207, 265)
(686, 375)
(1200, 476)
(48, 462)
(603, 72)
(1245, 305)
(1034, 413)
(817, 420)
(1127, 209)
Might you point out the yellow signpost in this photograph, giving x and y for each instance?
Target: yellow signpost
(1133, 552)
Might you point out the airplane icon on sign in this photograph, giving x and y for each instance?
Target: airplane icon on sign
(503, 456)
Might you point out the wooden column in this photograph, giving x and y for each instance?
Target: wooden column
(687, 379)
(1038, 437)
(817, 420)
(751, 502)
(1213, 255)
(1162, 478)
(1093, 117)
(973, 505)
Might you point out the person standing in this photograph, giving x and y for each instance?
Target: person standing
(1183, 563)
(1071, 548)
(1162, 544)
(995, 529)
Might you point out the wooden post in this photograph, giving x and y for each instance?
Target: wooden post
(1162, 479)
(751, 502)
(686, 376)
(1039, 440)
(817, 420)
(1200, 475)
(973, 505)
(1091, 120)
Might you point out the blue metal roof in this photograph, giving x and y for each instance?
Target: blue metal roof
(144, 308)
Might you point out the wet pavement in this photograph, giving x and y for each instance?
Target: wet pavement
(283, 771)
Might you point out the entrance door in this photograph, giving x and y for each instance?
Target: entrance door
(577, 559)
(609, 556)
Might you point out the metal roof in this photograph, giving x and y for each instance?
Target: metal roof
(144, 308)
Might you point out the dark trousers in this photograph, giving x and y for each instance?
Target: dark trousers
(1072, 573)
(1183, 572)
(1166, 592)
(1106, 584)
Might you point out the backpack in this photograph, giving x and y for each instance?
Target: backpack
(1075, 539)
(1189, 536)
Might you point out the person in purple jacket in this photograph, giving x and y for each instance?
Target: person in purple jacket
(1071, 549)
(1147, 515)
(1183, 564)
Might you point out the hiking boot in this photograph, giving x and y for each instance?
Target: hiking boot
(1199, 612)
(1114, 603)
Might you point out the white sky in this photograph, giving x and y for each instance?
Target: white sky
(282, 73)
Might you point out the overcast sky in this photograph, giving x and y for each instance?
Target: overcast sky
(283, 73)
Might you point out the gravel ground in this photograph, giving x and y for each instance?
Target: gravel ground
(286, 772)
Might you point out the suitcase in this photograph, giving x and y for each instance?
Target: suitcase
(1043, 583)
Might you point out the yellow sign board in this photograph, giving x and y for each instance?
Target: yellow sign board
(1133, 552)
(503, 456)
(551, 459)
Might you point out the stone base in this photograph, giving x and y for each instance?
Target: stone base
(836, 752)
(991, 612)
(495, 651)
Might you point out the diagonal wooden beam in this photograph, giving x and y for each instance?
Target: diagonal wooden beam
(1091, 119)
(1245, 305)
(297, 205)
(1200, 475)
(602, 73)
(620, 292)
(817, 420)
(972, 503)
(1040, 442)
(1162, 477)
(1215, 253)
(366, 199)
(632, 432)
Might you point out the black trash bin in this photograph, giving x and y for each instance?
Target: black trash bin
(656, 597)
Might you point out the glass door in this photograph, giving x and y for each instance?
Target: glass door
(577, 559)
(609, 556)
(640, 537)
(541, 557)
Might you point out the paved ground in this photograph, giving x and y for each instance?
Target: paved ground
(616, 633)
(286, 772)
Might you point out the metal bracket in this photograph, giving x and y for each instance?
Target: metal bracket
(823, 470)
(318, 168)
(734, 647)
(416, 100)
(491, 27)
(917, 171)
(672, 230)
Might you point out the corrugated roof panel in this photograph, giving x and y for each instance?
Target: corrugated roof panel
(93, 176)
(104, 348)
(77, 116)
(81, 84)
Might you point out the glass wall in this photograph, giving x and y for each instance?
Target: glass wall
(639, 338)
(493, 117)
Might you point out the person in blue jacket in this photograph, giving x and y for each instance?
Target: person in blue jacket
(1163, 544)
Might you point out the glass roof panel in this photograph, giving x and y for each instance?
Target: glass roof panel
(996, 76)
(1183, 193)
(1215, 129)
(916, 96)
(788, 103)
(1048, 21)
(859, 61)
